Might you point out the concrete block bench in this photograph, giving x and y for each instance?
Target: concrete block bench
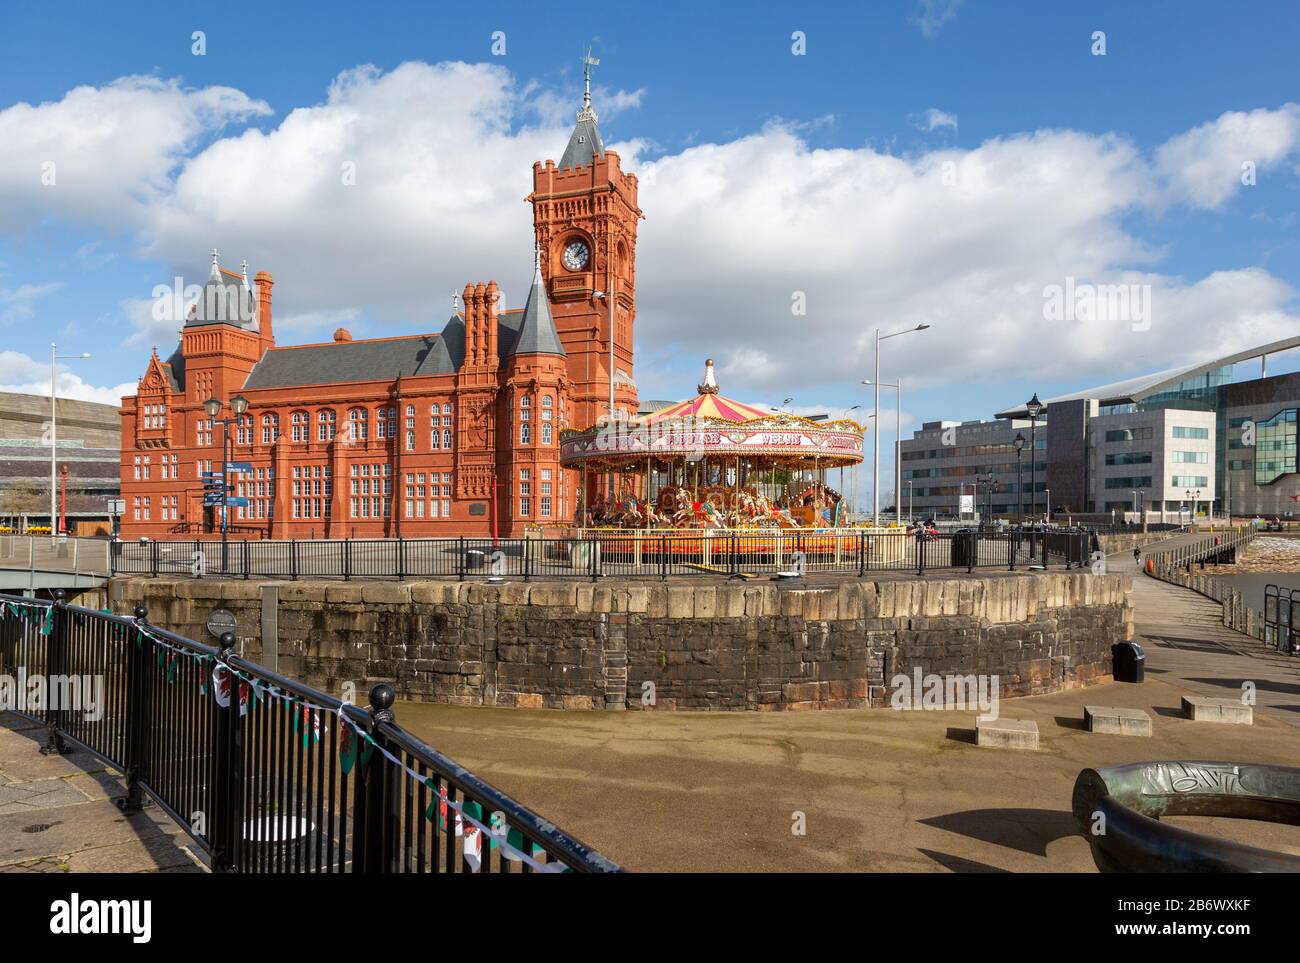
(1007, 733)
(1117, 721)
(1204, 709)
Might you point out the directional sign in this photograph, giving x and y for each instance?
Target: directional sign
(237, 502)
(211, 475)
(246, 467)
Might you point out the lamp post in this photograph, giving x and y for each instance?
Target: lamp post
(55, 358)
(909, 501)
(239, 405)
(1019, 444)
(1047, 504)
(898, 442)
(1033, 406)
(875, 466)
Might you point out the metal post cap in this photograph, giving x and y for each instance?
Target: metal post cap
(59, 595)
(382, 696)
(227, 640)
(141, 612)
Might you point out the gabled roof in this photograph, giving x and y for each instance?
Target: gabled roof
(1144, 386)
(342, 361)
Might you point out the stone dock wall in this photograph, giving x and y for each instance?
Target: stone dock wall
(627, 644)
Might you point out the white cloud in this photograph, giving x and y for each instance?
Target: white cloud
(102, 155)
(966, 240)
(16, 303)
(1204, 166)
(935, 118)
(25, 375)
(931, 15)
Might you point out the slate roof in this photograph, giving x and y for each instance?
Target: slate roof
(226, 299)
(343, 361)
(537, 334)
(584, 142)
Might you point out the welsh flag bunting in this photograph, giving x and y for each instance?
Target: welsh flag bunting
(472, 847)
(47, 624)
(221, 681)
(350, 740)
(300, 722)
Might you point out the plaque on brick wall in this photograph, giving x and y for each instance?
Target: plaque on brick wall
(478, 508)
(221, 620)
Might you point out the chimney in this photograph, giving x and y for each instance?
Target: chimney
(265, 332)
(467, 302)
(480, 324)
(490, 316)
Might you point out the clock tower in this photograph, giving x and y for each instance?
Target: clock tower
(585, 218)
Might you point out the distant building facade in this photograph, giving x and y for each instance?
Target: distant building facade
(448, 433)
(87, 453)
(1171, 442)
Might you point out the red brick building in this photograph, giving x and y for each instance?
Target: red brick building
(409, 435)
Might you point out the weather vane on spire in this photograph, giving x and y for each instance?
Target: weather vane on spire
(587, 63)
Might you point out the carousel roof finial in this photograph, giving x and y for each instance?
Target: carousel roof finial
(710, 385)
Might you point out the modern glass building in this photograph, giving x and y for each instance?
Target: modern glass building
(1170, 442)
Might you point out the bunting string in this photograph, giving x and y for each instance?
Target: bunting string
(250, 690)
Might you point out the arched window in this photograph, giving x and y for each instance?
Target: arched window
(301, 428)
(435, 436)
(386, 423)
(326, 423)
(446, 425)
(525, 433)
(410, 427)
(270, 429)
(548, 415)
(358, 424)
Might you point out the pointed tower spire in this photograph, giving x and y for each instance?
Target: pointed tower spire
(215, 273)
(243, 267)
(584, 142)
(537, 334)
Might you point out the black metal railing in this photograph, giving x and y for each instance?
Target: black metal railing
(266, 774)
(1282, 618)
(609, 554)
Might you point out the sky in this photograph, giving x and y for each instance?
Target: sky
(809, 174)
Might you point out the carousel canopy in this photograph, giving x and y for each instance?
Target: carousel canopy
(710, 425)
(707, 404)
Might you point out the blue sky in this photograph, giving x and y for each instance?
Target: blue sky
(763, 174)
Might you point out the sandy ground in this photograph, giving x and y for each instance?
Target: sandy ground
(881, 789)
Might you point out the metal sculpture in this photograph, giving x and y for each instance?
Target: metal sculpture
(1118, 810)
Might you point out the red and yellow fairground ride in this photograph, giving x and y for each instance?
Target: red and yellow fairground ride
(710, 466)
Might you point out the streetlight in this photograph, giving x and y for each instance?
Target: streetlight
(239, 405)
(898, 440)
(1048, 503)
(1019, 443)
(55, 357)
(875, 468)
(1033, 406)
(909, 501)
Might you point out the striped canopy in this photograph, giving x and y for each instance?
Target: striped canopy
(709, 405)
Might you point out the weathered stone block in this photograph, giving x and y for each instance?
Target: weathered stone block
(1007, 733)
(1230, 711)
(1117, 721)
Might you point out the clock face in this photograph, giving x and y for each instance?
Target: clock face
(576, 255)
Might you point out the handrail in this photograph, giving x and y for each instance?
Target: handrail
(259, 788)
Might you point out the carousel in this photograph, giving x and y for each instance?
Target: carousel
(713, 464)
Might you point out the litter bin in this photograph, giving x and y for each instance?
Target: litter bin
(964, 544)
(1130, 662)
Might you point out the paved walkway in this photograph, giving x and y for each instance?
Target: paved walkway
(57, 814)
(1187, 644)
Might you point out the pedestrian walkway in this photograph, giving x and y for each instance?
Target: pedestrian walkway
(58, 815)
(1187, 645)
